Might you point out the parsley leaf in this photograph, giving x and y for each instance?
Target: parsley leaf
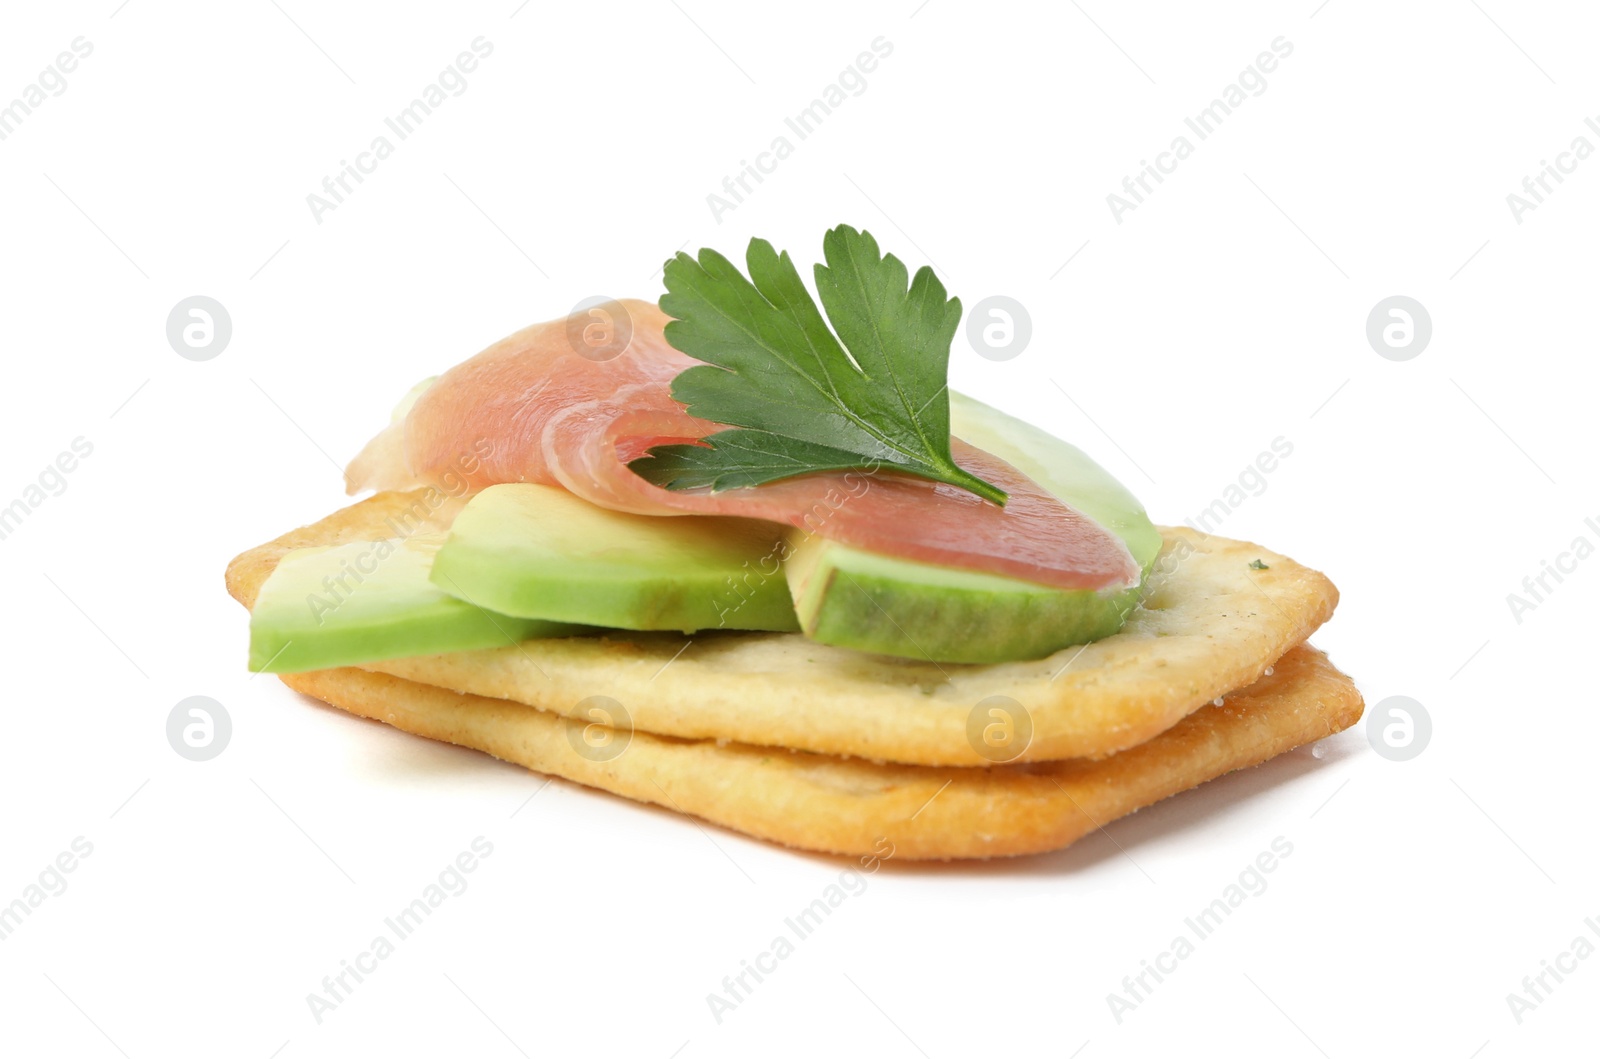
(778, 375)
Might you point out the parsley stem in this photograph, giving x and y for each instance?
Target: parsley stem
(973, 484)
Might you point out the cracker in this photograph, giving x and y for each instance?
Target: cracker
(1209, 623)
(850, 806)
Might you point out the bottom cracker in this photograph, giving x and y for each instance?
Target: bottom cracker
(851, 806)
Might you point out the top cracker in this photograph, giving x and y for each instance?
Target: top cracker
(1210, 623)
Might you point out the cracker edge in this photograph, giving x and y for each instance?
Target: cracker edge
(846, 806)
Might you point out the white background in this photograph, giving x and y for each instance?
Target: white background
(1227, 310)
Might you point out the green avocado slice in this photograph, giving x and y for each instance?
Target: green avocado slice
(853, 598)
(538, 551)
(368, 601)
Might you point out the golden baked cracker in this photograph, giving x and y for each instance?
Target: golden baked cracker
(1210, 623)
(846, 805)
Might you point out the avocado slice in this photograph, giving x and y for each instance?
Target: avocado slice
(854, 598)
(367, 601)
(538, 551)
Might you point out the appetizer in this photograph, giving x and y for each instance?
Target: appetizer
(749, 558)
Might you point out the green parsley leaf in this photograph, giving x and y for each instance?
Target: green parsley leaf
(778, 374)
(1257, 564)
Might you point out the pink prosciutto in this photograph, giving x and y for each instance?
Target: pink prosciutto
(531, 409)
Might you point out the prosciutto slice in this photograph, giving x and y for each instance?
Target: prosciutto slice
(533, 408)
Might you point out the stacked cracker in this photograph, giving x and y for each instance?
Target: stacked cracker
(829, 749)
